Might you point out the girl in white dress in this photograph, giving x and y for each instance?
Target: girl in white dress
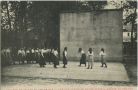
(90, 58)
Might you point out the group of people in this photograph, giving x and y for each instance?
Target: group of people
(90, 59)
(43, 55)
(29, 55)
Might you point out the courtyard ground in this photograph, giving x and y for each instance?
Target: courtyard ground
(32, 75)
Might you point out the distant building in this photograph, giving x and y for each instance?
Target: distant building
(127, 33)
(127, 36)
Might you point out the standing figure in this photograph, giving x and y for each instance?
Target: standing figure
(90, 58)
(65, 57)
(32, 55)
(41, 59)
(56, 61)
(19, 56)
(8, 56)
(45, 54)
(23, 55)
(36, 55)
(49, 56)
(82, 57)
(28, 55)
(102, 55)
(14, 53)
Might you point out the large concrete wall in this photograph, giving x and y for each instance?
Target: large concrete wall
(99, 29)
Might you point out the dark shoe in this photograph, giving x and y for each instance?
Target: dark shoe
(88, 68)
(101, 66)
(91, 67)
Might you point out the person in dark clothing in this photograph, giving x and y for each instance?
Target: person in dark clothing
(19, 56)
(103, 60)
(65, 57)
(36, 55)
(41, 60)
(14, 54)
(49, 56)
(82, 57)
(32, 55)
(28, 55)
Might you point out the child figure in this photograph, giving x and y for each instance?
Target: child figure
(102, 55)
(90, 58)
(65, 57)
(82, 57)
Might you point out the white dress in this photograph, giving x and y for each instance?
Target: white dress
(102, 55)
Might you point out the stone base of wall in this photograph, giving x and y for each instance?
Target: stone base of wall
(97, 59)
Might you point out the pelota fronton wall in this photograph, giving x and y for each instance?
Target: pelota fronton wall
(96, 29)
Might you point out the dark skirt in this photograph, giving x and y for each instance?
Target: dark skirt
(20, 57)
(41, 60)
(45, 56)
(36, 57)
(64, 60)
(83, 59)
(49, 59)
(32, 56)
(56, 60)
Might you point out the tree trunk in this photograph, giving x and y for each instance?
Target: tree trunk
(132, 31)
(9, 20)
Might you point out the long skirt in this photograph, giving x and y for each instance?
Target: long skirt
(56, 60)
(19, 58)
(32, 56)
(41, 61)
(83, 59)
(103, 60)
(49, 57)
(65, 60)
(90, 61)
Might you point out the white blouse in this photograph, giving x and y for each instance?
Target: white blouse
(102, 53)
(56, 53)
(65, 52)
(90, 54)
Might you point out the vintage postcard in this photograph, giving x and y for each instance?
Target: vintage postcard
(69, 45)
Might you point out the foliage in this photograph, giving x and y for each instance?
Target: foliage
(38, 20)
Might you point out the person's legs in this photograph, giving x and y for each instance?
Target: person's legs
(105, 64)
(64, 66)
(102, 62)
(91, 64)
(22, 59)
(88, 64)
(55, 66)
(80, 62)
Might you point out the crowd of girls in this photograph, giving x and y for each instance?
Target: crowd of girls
(51, 56)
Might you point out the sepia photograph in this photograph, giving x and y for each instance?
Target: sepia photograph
(69, 45)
